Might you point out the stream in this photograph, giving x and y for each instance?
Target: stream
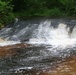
(38, 47)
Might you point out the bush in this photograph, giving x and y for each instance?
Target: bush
(54, 12)
(6, 14)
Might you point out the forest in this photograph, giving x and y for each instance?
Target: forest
(10, 9)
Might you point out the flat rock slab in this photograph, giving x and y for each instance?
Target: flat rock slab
(11, 49)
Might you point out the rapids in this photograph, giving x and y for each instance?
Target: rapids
(57, 37)
(55, 32)
(51, 40)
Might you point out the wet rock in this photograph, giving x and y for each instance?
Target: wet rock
(12, 49)
(67, 67)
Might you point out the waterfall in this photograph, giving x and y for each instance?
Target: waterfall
(53, 32)
(60, 36)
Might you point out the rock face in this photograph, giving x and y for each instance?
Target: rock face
(12, 49)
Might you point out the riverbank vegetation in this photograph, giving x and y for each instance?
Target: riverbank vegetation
(6, 12)
(9, 9)
(30, 8)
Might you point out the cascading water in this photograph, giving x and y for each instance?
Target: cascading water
(55, 33)
(51, 40)
(43, 33)
(57, 37)
(51, 33)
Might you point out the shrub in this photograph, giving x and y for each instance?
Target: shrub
(6, 14)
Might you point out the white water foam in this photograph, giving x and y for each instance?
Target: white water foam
(4, 42)
(8, 43)
(21, 69)
(57, 37)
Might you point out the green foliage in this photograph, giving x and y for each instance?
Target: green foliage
(6, 14)
(45, 7)
(68, 6)
(53, 12)
(32, 8)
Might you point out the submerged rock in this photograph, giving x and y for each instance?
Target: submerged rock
(11, 49)
(65, 67)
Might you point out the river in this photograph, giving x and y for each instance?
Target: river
(38, 47)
